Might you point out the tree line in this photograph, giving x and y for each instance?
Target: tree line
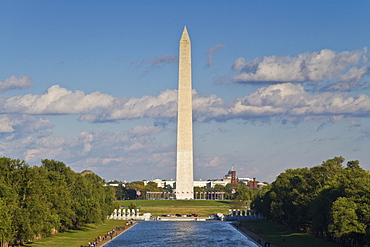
(128, 191)
(331, 201)
(37, 201)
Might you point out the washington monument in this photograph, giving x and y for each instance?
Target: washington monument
(184, 165)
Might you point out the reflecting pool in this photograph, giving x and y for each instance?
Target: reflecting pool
(188, 233)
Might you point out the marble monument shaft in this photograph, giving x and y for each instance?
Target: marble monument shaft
(184, 166)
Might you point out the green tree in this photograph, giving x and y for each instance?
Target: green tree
(228, 189)
(345, 220)
(169, 188)
(132, 189)
(7, 230)
(62, 180)
(328, 200)
(36, 201)
(120, 193)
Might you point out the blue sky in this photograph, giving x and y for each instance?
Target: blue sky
(277, 85)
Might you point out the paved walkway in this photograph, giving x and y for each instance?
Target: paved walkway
(107, 238)
(117, 234)
(252, 235)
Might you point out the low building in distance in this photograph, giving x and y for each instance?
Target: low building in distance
(229, 178)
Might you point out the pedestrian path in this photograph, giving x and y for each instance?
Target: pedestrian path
(252, 235)
(103, 240)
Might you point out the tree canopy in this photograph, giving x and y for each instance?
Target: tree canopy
(37, 201)
(329, 200)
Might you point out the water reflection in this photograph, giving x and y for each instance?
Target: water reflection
(190, 233)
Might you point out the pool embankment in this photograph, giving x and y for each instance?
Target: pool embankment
(118, 232)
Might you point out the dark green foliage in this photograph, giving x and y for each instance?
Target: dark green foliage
(129, 191)
(37, 201)
(329, 200)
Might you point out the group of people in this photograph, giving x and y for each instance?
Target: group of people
(267, 244)
(129, 223)
(94, 244)
(108, 236)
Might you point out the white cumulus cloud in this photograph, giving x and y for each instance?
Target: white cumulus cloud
(130, 150)
(281, 100)
(14, 81)
(163, 105)
(21, 125)
(57, 100)
(277, 100)
(325, 65)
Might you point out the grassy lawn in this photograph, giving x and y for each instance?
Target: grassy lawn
(78, 237)
(159, 207)
(201, 211)
(275, 233)
(173, 203)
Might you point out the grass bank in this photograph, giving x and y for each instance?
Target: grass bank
(283, 236)
(176, 203)
(78, 237)
(201, 211)
(159, 207)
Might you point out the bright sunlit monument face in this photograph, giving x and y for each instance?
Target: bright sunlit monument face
(184, 166)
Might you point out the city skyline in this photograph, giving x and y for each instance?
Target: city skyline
(276, 85)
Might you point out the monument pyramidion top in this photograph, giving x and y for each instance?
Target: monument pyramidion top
(185, 36)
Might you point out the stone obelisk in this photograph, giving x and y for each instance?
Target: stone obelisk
(184, 166)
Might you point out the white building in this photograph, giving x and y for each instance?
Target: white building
(199, 183)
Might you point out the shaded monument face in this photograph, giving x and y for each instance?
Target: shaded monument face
(184, 165)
